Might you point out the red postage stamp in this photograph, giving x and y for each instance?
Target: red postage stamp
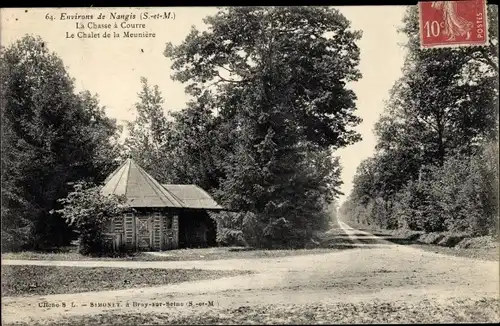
(453, 23)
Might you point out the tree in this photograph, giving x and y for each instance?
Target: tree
(279, 77)
(183, 149)
(148, 141)
(304, 56)
(99, 149)
(198, 146)
(447, 96)
(440, 115)
(50, 136)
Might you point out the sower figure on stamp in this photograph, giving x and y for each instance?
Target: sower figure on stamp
(454, 24)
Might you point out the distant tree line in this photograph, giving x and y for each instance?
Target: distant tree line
(269, 108)
(435, 166)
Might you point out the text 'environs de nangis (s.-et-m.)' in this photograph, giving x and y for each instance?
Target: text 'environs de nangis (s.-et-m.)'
(111, 24)
(143, 15)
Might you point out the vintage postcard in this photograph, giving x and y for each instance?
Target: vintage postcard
(250, 165)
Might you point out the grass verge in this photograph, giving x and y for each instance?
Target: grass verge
(475, 253)
(425, 311)
(44, 280)
(174, 255)
(409, 238)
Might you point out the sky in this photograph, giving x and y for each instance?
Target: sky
(111, 67)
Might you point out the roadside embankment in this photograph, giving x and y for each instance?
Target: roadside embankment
(457, 244)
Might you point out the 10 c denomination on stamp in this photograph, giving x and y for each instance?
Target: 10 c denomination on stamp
(453, 23)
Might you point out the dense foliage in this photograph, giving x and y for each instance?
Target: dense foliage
(435, 166)
(50, 136)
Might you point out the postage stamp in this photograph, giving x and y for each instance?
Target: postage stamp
(453, 23)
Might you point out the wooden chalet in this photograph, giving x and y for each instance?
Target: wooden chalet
(163, 217)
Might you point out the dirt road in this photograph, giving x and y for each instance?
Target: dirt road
(372, 269)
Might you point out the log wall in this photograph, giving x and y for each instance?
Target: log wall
(164, 230)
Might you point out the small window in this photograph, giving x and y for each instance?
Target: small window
(169, 222)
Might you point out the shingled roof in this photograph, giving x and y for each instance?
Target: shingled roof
(193, 196)
(141, 189)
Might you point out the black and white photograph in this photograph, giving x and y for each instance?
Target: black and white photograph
(250, 164)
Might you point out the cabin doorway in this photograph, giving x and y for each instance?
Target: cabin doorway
(196, 229)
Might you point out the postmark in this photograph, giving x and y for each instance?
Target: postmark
(453, 23)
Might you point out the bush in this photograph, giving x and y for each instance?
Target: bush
(451, 240)
(89, 212)
(229, 226)
(478, 243)
(431, 238)
(459, 197)
(230, 237)
(418, 208)
(408, 234)
(12, 240)
(466, 191)
(92, 241)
